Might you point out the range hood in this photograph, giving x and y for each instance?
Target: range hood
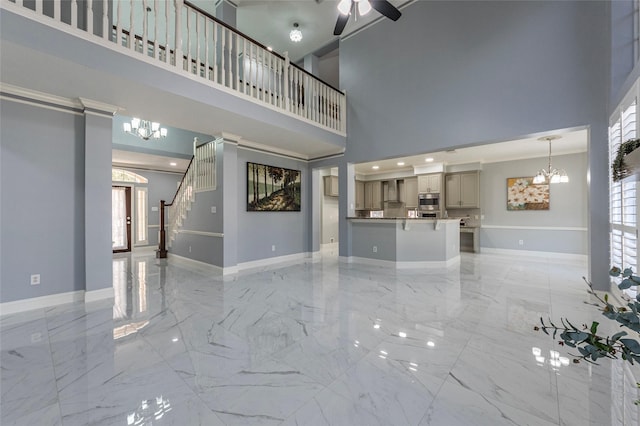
(391, 192)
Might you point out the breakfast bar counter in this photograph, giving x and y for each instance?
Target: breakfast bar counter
(405, 242)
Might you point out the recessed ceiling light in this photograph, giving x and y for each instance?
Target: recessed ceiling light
(428, 160)
(375, 167)
(400, 163)
(173, 164)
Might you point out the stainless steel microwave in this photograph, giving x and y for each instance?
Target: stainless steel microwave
(429, 201)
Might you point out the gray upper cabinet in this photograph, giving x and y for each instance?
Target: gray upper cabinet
(359, 195)
(331, 186)
(462, 190)
(373, 195)
(430, 183)
(411, 193)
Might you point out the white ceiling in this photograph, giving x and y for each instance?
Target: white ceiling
(571, 142)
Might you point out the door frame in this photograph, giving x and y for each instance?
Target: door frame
(129, 191)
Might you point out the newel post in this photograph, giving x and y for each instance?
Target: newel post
(161, 253)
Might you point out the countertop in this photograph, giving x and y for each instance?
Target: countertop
(424, 219)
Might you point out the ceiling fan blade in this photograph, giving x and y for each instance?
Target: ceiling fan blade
(341, 23)
(386, 8)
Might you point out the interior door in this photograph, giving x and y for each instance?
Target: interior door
(121, 218)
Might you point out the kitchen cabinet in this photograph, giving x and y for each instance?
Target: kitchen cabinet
(430, 183)
(359, 195)
(462, 190)
(331, 186)
(411, 193)
(373, 195)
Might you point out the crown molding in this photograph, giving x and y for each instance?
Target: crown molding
(40, 97)
(99, 107)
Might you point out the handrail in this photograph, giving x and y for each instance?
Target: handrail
(252, 40)
(181, 182)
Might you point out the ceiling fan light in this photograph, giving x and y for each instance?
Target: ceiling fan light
(364, 7)
(344, 7)
(295, 35)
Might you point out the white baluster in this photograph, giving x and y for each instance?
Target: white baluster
(229, 43)
(237, 57)
(145, 28)
(167, 55)
(268, 69)
(215, 51)
(106, 31)
(198, 62)
(189, 40)
(20, 3)
(89, 15)
(323, 121)
(57, 4)
(132, 34)
(156, 44)
(39, 7)
(251, 68)
(206, 48)
(178, 34)
(74, 13)
(223, 46)
(285, 71)
(243, 89)
(119, 25)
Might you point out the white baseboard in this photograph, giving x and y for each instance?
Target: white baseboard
(400, 265)
(201, 266)
(260, 263)
(41, 302)
(102, 294)
(543, 254)
(145, 249)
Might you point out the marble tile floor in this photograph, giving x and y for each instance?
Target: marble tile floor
(314, 343)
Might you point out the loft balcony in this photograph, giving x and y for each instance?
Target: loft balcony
(172, 62)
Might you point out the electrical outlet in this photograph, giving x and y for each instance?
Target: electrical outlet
(520, 242)
(375, 249)
(35, 279)
(189, 249)
(213, 209)
(273, 248)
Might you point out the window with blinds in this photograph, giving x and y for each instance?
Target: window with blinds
(623, 198)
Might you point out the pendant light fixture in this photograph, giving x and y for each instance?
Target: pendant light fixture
(295, 35)
(550, 175)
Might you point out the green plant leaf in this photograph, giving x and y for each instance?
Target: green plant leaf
(594, 327)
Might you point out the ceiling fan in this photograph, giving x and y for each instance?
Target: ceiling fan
(347, 8)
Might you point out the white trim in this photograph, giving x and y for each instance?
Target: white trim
(147, 249)
(201, 266)
(400, 265)
(544, 254)
(37, 96)
(96, 295)
(203, 233)
(106, 109)
(276, 152)
(272, 260)
(536, 228)
(38, 104)
(316, 255)
(153, 226)
(41, 302)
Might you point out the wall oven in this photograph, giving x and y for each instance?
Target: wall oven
(429, 202)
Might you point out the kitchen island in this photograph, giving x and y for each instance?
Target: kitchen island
(405, 242)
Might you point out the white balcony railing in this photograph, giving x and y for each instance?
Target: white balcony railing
(178, 33)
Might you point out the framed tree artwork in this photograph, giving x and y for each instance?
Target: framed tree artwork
(272, 189)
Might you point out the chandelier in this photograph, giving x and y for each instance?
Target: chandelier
(295, 35)
(145, 129)
(551, 175)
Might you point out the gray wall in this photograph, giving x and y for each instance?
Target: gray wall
(41, 201)
(567, 207)
(479, 72)
(258, 231)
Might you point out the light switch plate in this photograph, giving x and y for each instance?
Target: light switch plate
(213, 209)
(154, 208)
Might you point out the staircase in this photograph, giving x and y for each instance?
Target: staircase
(200, 176)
